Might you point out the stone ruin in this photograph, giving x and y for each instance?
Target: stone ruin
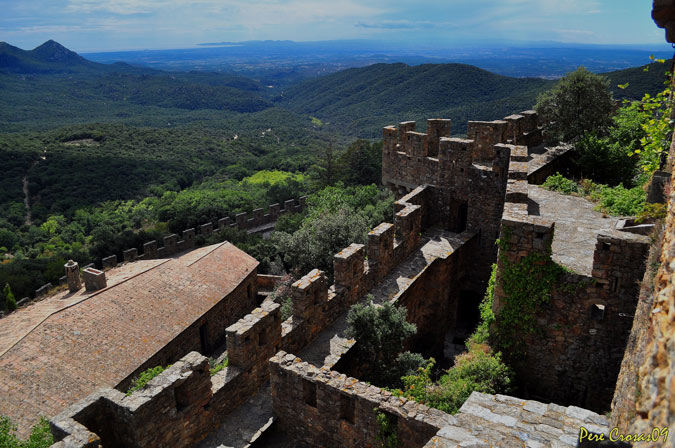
(456, 196)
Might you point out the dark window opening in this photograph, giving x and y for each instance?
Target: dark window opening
(249, 292)
(539, 235)
(262, 338)
(597, 312)
(309, 393)
(347, 408)
(203, 339)
(462, 217)
(606, 246)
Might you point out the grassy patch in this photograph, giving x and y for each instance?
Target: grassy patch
(144, 378)
(615, 201)
(40, 435)
(215, 368)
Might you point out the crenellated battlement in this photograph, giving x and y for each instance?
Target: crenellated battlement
(590, 308)
(411, 158)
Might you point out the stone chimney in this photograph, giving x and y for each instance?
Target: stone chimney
(94, 279)
(73, 275)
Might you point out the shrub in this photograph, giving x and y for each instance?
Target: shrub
(616, 201)
(145, 377)
(478, 370)
(558, 182)
(604, 160)
(10, 301)
(619, 201)
(381, 332)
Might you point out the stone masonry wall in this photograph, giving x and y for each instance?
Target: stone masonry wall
(576, 356)
(469, 175)
(325, 408)
(174, 243)
(644, 394)
(183, 404)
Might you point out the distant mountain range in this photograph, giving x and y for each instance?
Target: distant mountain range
(51, 86)
(52, 58)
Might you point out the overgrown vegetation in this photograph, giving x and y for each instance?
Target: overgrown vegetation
(216, 367)
(387, 431)
(616, 201)
(381, 332)
(144, 378)
(40, 435)
(479, 369)
(336, 217)
(527, 286)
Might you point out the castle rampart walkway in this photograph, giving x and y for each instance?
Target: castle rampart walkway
(332, 343)
(577, 225)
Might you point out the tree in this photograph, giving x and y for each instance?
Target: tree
(381, 332)
(10, 301)
(581, 102)
(361, 163)
(325, 172)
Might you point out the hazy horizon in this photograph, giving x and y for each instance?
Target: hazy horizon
(89, 26)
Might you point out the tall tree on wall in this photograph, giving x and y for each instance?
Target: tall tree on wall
(581, 102)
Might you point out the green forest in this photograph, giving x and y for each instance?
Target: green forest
(108, 157)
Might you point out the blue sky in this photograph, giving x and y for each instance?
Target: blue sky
(99, 25)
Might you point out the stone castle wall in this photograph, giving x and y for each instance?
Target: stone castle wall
(342, 409)
(183, 404)
(254, 339)
(576, 356)
(643, 399)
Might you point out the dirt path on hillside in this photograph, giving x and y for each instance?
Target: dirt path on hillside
(26, 195)
(26, 199)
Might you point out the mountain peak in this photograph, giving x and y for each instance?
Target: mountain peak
(52, 51)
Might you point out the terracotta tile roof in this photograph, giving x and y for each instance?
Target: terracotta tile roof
(53, 354)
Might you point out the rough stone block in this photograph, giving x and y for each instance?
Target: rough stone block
(150, 250)
(206, 229)
(109, 262)
(130, 255)
(170, 244)
(94, 279)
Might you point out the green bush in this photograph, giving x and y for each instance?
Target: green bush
(615, 201)
(619, 201)
(145, 377)
(40, 435)
(604, 161)
(478, 370)
(381, 333)
(558, 182)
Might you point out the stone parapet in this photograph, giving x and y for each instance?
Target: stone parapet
(178, 408)
(343, 410)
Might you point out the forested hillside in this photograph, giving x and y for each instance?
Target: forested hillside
(361, 101)
(98, 158)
